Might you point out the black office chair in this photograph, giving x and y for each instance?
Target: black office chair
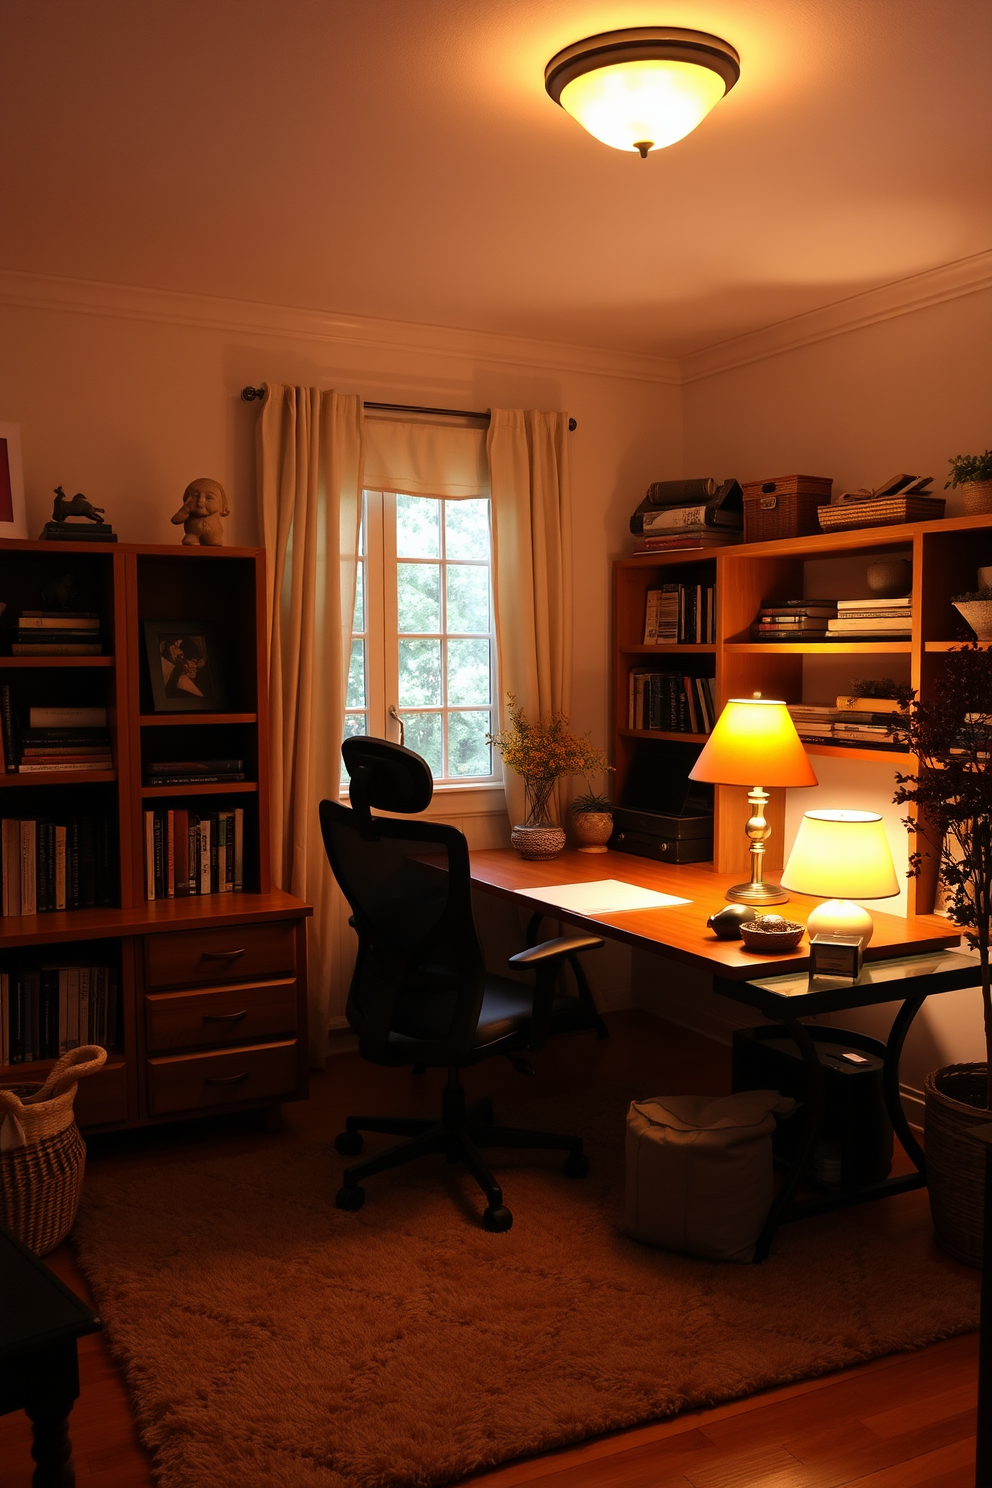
(420, 994)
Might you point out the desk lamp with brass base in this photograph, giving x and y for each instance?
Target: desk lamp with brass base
(755, 739)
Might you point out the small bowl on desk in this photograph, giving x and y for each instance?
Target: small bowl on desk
(770, 934)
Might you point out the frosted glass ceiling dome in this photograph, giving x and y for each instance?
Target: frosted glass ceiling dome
(643, 88)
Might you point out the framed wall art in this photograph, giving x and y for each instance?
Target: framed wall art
(184, 667)
(13, 518)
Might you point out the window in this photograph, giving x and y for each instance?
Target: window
(423, 644)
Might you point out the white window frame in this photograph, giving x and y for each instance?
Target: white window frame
(381, 635)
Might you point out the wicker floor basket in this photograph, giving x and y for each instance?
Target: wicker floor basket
(955, 1102)
(42, 1154)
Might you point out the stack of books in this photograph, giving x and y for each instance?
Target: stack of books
(60, 739)
(671, 702)
(57, 633)
(194, 772)
(845, 725)
(48, 864)
(187, 853)
(681, 614)
(794, 620)
(872, 620)
(45, 1012)
(689, 514)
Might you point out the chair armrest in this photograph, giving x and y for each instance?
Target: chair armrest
(558, 949)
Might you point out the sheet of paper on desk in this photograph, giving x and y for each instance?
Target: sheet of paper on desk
(607, 896)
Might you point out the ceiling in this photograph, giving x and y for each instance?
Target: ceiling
(400, 158)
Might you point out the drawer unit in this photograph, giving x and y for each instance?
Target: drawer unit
(194, 1082)
(225, 953)
(219, 1015)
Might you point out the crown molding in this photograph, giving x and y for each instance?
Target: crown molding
(246, 317)
(948, 282)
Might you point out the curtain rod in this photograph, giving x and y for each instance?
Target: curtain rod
(249, 394)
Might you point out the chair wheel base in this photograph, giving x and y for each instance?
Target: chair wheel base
(576, 1165)
(350, 1197)
(349, 1144)
(497, 1220)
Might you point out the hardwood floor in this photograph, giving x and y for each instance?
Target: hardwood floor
(905, 1421)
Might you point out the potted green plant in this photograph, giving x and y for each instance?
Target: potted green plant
(972, 474)
(951, 735)
(543, 752)
(592, 820)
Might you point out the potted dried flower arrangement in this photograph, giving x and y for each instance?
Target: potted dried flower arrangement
(972, 474)
(543, 752)
(951, 735)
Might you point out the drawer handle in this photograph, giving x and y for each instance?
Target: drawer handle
(227, 1079)
(225, 1017)
(222, 955)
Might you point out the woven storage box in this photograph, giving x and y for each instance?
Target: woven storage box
(954, 1103)
(784, 506)
(42, 1153)
(883, 511)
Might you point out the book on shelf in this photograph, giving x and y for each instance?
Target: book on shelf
(61, 749)
(869, 705)
(670, 702)
(694, 518)
(821, 723)
(57, 633)
(679, 492)
(194, 772)
(858, 626)
(59, 620)
(49, 864)
(193, 853)
(46, 1011)
(680, 614)
(905, 603)
(67, 718)
(704, 537)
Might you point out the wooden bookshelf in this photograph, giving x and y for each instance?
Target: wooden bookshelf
(200, 946)
(945, 555)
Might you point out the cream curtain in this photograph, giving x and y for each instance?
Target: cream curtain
(310, 476)
(528, 473)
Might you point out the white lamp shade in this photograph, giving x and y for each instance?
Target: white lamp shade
(652, 101)
(754, 742)
(841, 855)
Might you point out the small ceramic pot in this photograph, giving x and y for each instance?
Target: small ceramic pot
(976, 497)
(537, 842)
(593, 829)
(891, 578)
(978, 614)
(726, 923)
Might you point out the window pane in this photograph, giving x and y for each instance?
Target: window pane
(417, 533)
(418, 596)
(420, 673)
(468, 752)
(468, 598)
(355, 697)
(468, 672)
(466, 528)
(423, 734)
(354, 723)
(358, 623)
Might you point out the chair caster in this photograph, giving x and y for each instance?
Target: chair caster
(350, 1197)
(576, 1165)
(497, 1220)
(349, 1143)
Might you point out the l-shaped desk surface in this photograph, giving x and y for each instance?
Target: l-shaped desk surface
(679, 930)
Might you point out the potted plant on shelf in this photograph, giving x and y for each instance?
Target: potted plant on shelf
(592, 819)
(951, 735)
(972, 474)
(543, 752)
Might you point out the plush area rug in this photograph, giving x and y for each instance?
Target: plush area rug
(273, 1341)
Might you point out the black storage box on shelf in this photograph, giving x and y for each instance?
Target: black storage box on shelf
(855, 1146)
(663, 814)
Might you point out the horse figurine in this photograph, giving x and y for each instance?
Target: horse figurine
(77, 507)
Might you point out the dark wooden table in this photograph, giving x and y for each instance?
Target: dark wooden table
(40, 1321)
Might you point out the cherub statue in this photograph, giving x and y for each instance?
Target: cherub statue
(204, 504)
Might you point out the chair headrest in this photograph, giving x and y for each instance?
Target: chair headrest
(387, 776)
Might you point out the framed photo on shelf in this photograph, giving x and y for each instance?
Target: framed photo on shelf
(13, 518)
(184, 667)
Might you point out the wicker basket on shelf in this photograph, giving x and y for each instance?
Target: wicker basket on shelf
(882, 511)
(42, 1154)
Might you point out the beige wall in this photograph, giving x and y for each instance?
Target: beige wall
(903, 394)
(128, 407)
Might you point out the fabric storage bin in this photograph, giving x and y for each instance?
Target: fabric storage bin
(784, 506)
(699, 1171)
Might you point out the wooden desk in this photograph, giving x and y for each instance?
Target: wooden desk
(680, 930)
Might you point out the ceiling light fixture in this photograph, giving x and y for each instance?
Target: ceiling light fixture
(643, 88)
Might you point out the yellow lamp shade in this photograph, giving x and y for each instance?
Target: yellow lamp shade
(754, 742)
(841, 855)
(653, 103)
